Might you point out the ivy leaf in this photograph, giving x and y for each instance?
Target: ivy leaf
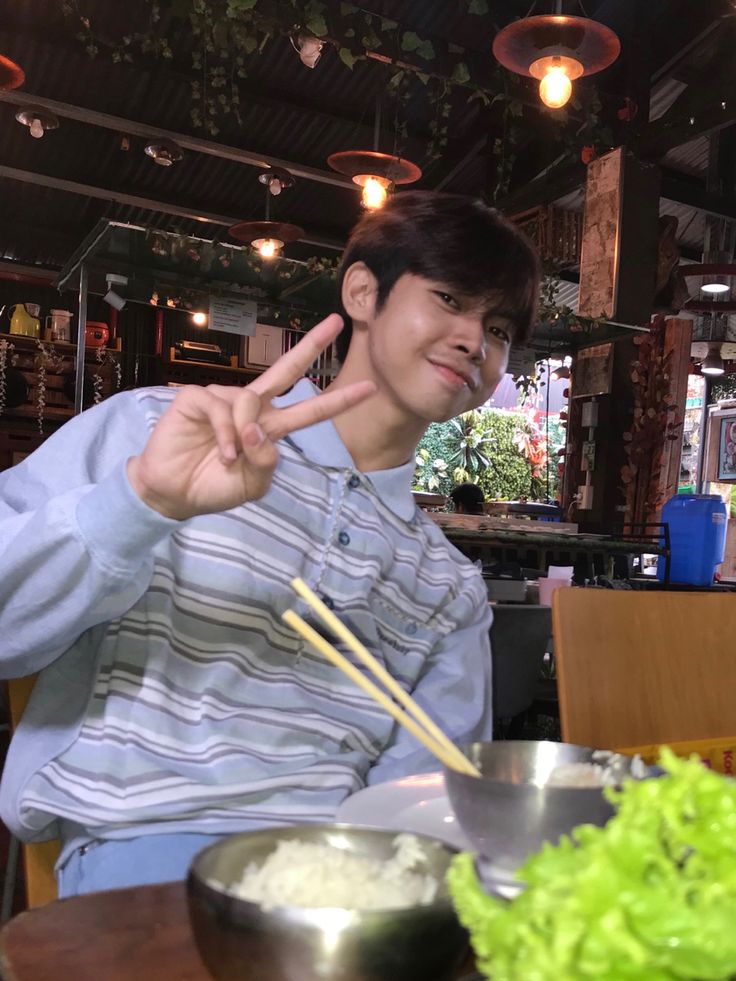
(426, 50)
(346, 9)
(347, 57)
(460, 73)
(410, 41)
(250, 44)
(317, 25)
(423, 78)
(314, 16)
(235, 7)
(388, 25)
(478, 7)
(516, 108)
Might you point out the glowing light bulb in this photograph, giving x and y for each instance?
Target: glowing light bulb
(275, 187)
(374, 193)
(267, 248)
(715, 287)
(555, 88)
(36, 129)
(199, 318)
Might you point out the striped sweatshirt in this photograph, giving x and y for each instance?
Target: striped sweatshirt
(171, 695)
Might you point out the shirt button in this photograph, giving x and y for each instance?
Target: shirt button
(354, 482)
(411, 629)
(329, 603)
(343, 538)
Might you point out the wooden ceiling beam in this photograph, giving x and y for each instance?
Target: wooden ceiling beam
(148, 204)
(196, 144)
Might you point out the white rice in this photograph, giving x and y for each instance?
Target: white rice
(606, 774)
(313, 876)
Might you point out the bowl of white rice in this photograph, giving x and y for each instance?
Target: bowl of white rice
(531, 792)
(325, 902)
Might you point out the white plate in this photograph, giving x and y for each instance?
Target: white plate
(417, 803)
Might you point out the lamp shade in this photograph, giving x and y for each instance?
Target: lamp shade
(12, 76)
(523, 43)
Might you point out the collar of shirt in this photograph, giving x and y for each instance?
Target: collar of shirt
(321, 444)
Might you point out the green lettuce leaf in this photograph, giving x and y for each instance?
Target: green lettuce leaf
(650, 897)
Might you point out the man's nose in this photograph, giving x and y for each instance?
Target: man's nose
(470, 338)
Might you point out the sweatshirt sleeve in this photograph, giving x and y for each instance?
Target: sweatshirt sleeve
(76, 543)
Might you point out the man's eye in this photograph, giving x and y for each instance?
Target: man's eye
(499, 332)
(446, 298)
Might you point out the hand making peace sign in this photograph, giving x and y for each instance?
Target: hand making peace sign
(214, 448)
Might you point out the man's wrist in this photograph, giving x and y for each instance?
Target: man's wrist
(143, 491)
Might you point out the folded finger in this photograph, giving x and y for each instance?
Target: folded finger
(200, 406)
(278, 422)
(291, 366)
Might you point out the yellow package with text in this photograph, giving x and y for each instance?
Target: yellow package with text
(717, 754)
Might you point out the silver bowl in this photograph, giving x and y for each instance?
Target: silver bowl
(238, 939)
(509, 812)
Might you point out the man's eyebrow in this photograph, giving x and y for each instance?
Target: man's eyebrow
(511, 315)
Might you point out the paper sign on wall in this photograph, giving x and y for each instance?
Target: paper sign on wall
(233, 315)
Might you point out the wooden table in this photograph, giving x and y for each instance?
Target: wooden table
(125, 935)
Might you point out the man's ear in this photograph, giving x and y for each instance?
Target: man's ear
(359, 292)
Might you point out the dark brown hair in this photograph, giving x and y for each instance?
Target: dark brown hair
(451, 239)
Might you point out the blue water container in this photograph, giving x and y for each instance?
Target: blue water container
(697, 525)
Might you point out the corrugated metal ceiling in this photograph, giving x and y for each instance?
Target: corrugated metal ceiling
(286, 111)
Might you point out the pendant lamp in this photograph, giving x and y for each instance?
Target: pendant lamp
(377, 173)
(11, 75)
(556, 49)
(269, 237)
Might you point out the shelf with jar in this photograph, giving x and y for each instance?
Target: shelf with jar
(37, 378)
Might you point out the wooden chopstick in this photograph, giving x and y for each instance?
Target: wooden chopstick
(340, 661)
(363, 654)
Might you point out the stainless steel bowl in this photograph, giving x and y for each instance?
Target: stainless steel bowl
(239, 939)
(509, 812)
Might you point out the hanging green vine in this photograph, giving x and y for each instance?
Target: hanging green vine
(229, 35)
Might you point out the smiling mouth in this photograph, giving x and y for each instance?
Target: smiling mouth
(451, 376)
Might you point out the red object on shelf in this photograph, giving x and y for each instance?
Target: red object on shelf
(96, 334)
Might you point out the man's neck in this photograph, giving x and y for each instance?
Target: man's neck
(377, 433)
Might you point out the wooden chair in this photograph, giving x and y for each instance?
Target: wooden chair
(641, 668)
(40, 858)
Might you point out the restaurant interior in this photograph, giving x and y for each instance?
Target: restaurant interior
(178, 180)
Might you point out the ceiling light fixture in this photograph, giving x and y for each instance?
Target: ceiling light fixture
(716, 273)
(556, 49)
(37, 120)
(308, 47)
(713, 364)
(276, 180)
(112, 297)
(268, 237)
(377, 173)
(199, 318)
(164, 152)
(12, 76)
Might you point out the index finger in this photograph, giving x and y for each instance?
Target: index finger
(291, 366)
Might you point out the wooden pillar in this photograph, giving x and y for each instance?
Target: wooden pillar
(618, 262)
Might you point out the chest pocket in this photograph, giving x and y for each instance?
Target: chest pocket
(404, 643)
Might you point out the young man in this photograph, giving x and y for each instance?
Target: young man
(148, 548)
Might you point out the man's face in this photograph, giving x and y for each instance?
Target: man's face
(436, 353)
